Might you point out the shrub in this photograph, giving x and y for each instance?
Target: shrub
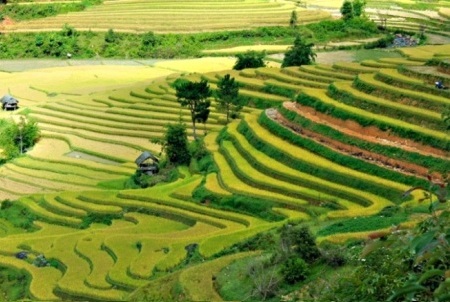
(18, 215)
(294, 270)
(250, 59)
(98, 218)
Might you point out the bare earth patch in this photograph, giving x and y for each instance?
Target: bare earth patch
(370, 134)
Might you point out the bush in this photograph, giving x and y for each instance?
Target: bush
(98, 218)
(250, 59)
(294, 270)
(18, 215)
(17, 138)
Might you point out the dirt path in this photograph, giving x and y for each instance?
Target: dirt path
(371, 134)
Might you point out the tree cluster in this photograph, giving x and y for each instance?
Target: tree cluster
(227, 96)
(17, 138)
(290, 262)
(250, 59)
(301, 53)
(351, 9)
(194, 96)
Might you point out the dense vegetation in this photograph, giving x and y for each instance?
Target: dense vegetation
(336, 188)
(82, 44)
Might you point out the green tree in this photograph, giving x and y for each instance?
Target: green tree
(294, 269)
(358, 7)
(300, 53)
(293, 21)
(17, 138)
(194, 96)
(228, 96)
(110, 36)
(176, 144)
(250, 59)
(347, 10)
(298, 241)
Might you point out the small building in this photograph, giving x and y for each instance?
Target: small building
(147, 163)
(9, 102)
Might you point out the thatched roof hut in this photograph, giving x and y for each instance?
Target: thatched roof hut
(147, 163)
(9, 102)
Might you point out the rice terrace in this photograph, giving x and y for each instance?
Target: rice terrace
(243, 150)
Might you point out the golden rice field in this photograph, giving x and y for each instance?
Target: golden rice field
(93, 131)
(174, 16)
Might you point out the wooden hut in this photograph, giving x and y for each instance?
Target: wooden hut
(9, 103)
(147, 163)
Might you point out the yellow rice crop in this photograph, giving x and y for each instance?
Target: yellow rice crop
(348, 88)
(90, 247)
(47, 215)
(292, 214)
(201, 65)
(213, 185)
(262, 158)
(214, 244)
(297, 152)
(124, 249)
(71, 199)
(50, 180)
(151, 253)
(240, 49)
(101, 78)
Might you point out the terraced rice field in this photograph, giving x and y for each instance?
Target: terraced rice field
(174, 16)
(329, 143)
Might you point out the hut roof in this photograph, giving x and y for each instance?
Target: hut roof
(144, 156)
(7, 99)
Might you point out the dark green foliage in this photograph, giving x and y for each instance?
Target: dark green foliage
(197, 149)
(98, 218)
(358, 7)
(17, 138)
(362, 224)
(18, 215)
(293, 21)
(250, 59)
(149, 43)
(338, 29)
(352, 9)
(347, 10)
(333, 255)
(237, 203)
(406, 265)
(301, 53)
(298, 241)
(176, 144)
(194, 96)
(294, 269)
(432, 163)
(13, 284)
(227, 96)
(89, 44)
(272, 89)
(110, 36)
(380, 43)
(139, 180)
